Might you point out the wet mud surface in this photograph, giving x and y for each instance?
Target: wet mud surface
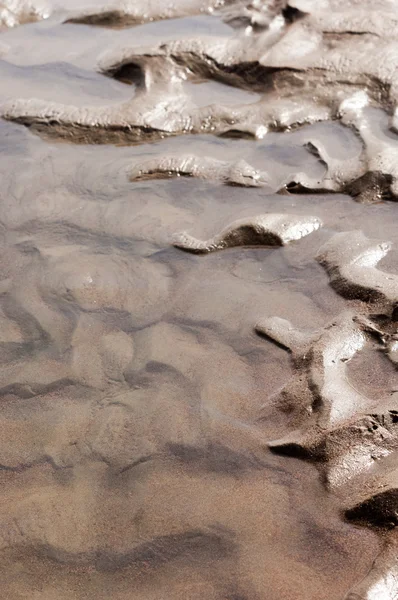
(198, 300)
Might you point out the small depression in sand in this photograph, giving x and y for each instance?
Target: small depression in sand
(203, 92)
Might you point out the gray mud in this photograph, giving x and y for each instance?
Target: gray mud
(198, 300)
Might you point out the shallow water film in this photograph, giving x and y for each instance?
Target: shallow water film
(198, 299)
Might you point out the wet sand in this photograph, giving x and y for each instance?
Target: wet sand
(198, 300)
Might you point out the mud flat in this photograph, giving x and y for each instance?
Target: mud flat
(198, 300)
